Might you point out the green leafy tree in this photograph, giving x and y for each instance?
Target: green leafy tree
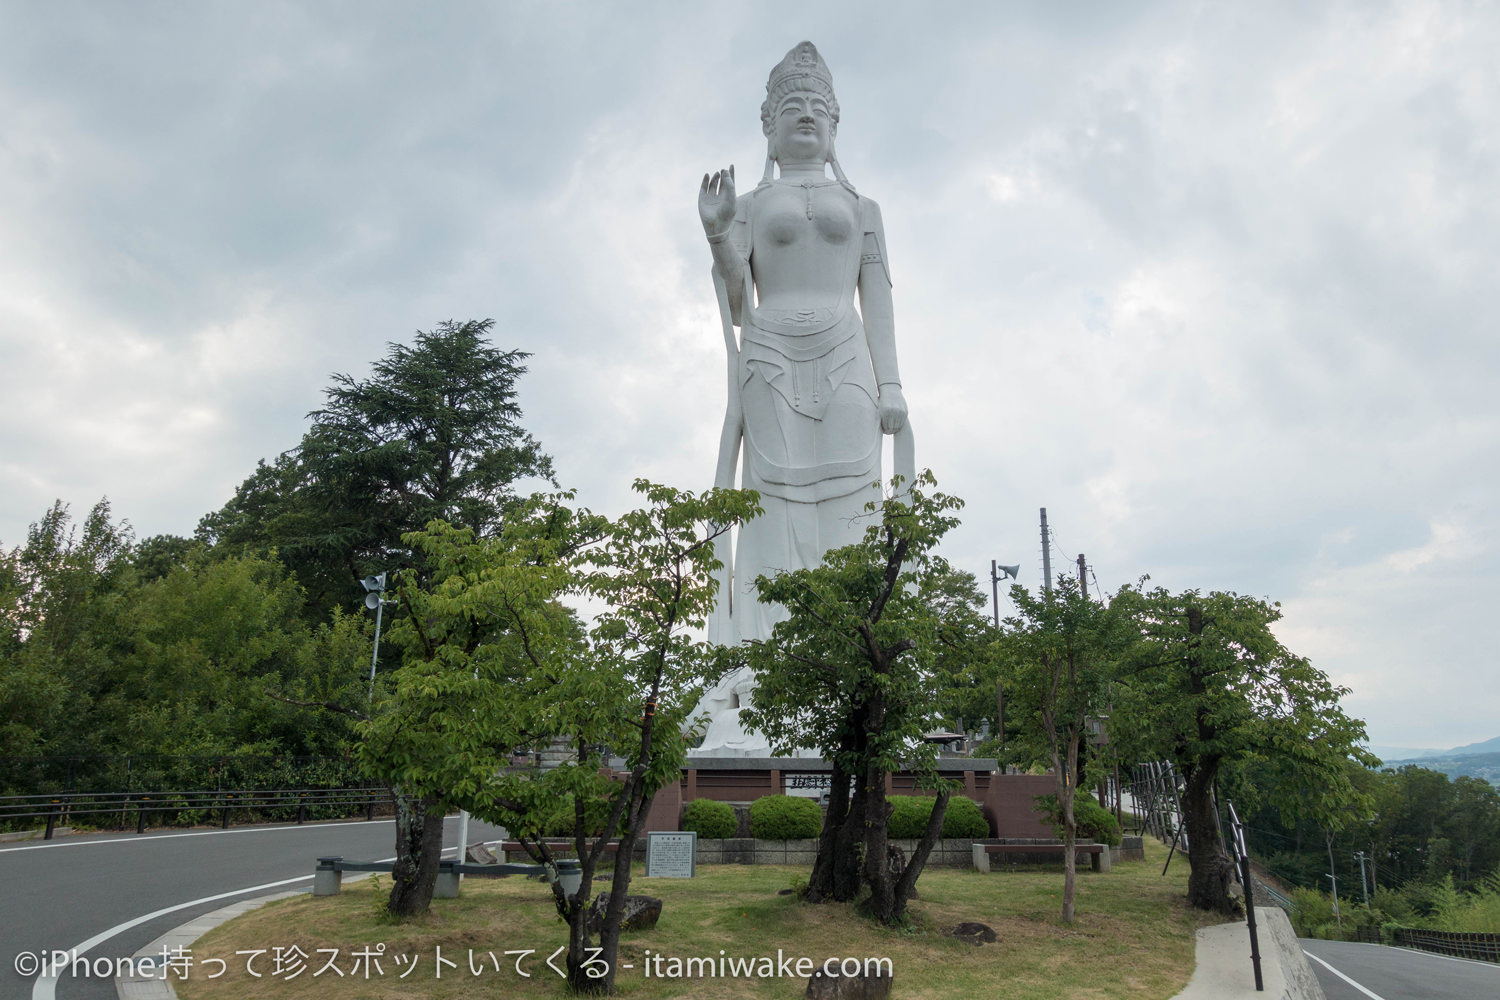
(492, 661)
(966, 667)
(433, 433)
(848, 673)
(1210, 684)
(61, 630)
(1060, 653)
(467, 691)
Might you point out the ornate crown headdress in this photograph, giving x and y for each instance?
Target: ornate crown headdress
(803, 69)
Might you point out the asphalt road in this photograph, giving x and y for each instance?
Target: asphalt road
(1381, 973)
(57, 895)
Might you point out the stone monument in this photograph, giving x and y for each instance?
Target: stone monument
(813, 382)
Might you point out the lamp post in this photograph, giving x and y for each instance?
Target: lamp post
(998, 573)
(375, 587)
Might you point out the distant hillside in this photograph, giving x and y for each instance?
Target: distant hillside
(1457, 765)
(1407, 755)
(1488, 746)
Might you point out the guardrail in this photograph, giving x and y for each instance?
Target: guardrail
(1485, 947)
(125, 805)
(327, 877)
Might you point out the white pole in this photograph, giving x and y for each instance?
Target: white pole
(463, 839)
(379, 607)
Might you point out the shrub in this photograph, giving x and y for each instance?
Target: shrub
(964, 819)
(709, 819)
(1091, 821)
(785, 817)
(1313, 910)
(909, 818)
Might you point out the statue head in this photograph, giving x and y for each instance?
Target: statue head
(803, 72)
(800, 111)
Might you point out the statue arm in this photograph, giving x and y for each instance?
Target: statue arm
(731, 267)
(876, 309)
(726, 224)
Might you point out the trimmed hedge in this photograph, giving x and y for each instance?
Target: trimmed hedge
(909, 819)
(1091, 821)
(710, 820)
(785, 817)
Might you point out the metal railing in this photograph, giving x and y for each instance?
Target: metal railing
(118, 809)
(1484, 947)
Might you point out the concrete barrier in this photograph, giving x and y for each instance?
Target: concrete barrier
(1224, 972)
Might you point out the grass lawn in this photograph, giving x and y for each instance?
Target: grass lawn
(1133, 938)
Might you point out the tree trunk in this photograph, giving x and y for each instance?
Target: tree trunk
(877, 866)
(1211, 871)
(907, 885)
(1066, 788)
(847, 875)
(419, 845)
(823, 883)
(614, 913)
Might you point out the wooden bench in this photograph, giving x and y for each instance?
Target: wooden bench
(1098, 853)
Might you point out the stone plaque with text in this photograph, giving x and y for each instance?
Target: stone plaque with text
(671, 855)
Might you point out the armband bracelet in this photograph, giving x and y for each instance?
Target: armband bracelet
(719, 237)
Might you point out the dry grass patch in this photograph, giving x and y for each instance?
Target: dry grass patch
(1133, 939)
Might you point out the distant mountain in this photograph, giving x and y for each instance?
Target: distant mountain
(1388, 754)
(1459, 765)
(1412, 755)
(1488, 746)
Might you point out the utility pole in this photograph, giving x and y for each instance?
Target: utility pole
(995, 591)
(1083, 587)
(1046, 555)
(1360, 857)
(997, 572)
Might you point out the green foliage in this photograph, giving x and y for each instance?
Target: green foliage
(1210, 684)
(709, 819)
(849, 673)
(852, 632)
(785, 817)
(1092, 822)
(961, 819)
(111, 648)
(1313, 910)
(433, 434)
(966, 667)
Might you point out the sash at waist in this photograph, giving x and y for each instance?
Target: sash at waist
(803, 345)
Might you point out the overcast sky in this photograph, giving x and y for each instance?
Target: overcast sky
(1213, 283)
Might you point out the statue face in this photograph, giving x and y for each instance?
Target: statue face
(803, 128)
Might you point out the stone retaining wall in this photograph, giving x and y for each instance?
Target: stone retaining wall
(949, 852)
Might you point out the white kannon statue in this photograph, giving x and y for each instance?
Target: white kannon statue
(812, 382)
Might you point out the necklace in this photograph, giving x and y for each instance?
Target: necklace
(807, 189)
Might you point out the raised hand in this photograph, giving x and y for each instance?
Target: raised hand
(716, 201)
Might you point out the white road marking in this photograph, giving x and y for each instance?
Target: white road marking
(1433, 954)
(46, 986)
(147, 838)
(1369, 993)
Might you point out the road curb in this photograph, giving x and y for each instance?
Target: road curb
(183, 936)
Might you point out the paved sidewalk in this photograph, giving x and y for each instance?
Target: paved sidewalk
(1224, 971)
